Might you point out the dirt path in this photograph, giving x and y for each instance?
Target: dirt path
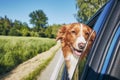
(27, 67)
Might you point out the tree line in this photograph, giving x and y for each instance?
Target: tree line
(40, 27)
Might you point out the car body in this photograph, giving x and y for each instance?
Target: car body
(104, 58)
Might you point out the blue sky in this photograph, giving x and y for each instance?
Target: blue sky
(57, 11)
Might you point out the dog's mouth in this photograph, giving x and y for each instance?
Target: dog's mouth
(77, 52)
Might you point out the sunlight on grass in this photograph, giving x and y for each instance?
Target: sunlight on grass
(15, 50)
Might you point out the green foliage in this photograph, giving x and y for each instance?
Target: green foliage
(34, 34)
(17, 28)
(86, 8)
(15, 50)
(14, 32)
(51, 31)
(38, 18)
(5, 25)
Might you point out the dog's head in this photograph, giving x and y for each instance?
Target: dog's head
(77, 36)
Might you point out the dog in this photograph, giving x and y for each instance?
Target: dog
(76, 41)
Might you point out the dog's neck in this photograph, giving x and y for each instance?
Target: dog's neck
(66, 50)
(70, 59)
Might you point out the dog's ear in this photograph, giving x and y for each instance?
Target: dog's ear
(89, 45)
(61, 33)
(93, 36)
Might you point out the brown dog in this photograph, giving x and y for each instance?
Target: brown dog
(76, 40)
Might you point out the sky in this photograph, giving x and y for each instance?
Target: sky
(57, 11)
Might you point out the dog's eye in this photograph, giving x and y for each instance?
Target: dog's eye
(61, 32)
(73, 32)
(87, 33)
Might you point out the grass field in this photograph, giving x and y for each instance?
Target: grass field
(15, 50)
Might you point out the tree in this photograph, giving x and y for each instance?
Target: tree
(14, 32)
(25, 30)
(38, 19)
(86, 8)
(17, 24)
(16, 28)
(5, 25)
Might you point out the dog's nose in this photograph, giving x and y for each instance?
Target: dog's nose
(81, 45)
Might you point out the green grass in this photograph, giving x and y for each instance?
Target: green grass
(15, 50)
(33, 75)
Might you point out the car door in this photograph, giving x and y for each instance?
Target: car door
(104, 57)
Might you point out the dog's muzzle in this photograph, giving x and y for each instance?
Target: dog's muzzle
(81, 46)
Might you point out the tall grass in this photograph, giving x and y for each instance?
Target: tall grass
(15, 50)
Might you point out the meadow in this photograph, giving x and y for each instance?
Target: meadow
(15, 50)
